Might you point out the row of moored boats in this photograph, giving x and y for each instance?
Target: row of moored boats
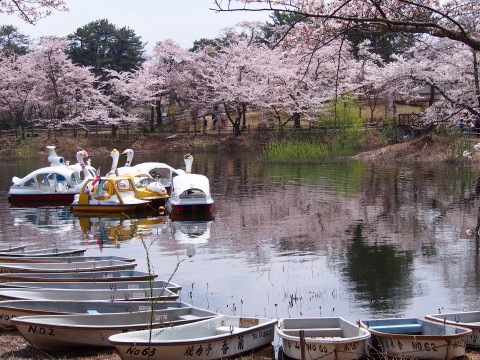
(141, 188)
(60, 299)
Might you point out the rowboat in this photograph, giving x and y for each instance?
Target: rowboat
(93, 276)
(469, 320)
(59, 259)
(48, 252)
(79, 266)
(12, 248)
(328, 338)
(15, 308)
(88, 295)
(220, 337)
(64, 332)
(416, 338)
(113, 285)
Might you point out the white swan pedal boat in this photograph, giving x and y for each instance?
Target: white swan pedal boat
(219, 337)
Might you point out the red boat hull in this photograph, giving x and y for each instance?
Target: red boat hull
(40, 199)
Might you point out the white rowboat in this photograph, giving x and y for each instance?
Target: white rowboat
(54, 251)
(103, 285)
(80, 266)
(88, 295)
(331, 338)
(59, 259)
(415, 338)
(469, 320)
(15, 308)
(219, 337)
(93, 276)
(64, 332)
(12, 248)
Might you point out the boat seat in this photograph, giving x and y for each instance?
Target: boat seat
(398, 328)
(316, 333)
(188, 317)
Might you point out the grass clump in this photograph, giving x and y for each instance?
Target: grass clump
(25, 148)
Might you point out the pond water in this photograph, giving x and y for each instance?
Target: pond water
(352, 239)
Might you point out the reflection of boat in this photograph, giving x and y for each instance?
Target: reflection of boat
(105, 195)
(191, 232)
(46, 252)
(158, 294)
(103, 231)
(217, 338)
(49, 217)
(64, 267)
(15, 308)
(122, 275)
(93, 330)
(325, 338)
(190, 194)
(56, 184)
(112, 285)
(468, 319)
(416, 338)
(59, 259)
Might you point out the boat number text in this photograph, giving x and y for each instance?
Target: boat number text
(6, 317)
(141, 351)
(41, 330)
(262, 334)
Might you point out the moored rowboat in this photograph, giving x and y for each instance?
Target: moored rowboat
(219, 337)
(82, 266)
(113, 285)
(58, 259)
(12, 248)
(96, 276)
(54, 251)
(15, 308)
(415, 338)
(88, 295)
(64, 332)
(469, 320)
(332, 338)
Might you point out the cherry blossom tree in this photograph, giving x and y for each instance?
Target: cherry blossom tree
(457, 20)
(32, 10)
(66, 91)
(19, 89)
(450, 68)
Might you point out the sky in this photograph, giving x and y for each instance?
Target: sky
(183, 21)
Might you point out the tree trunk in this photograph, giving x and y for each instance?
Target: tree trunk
(114, 130)
(158, 106)
(152, 118)
(296, 120)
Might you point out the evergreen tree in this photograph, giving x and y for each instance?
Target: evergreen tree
(102, 45)
(11, 40)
